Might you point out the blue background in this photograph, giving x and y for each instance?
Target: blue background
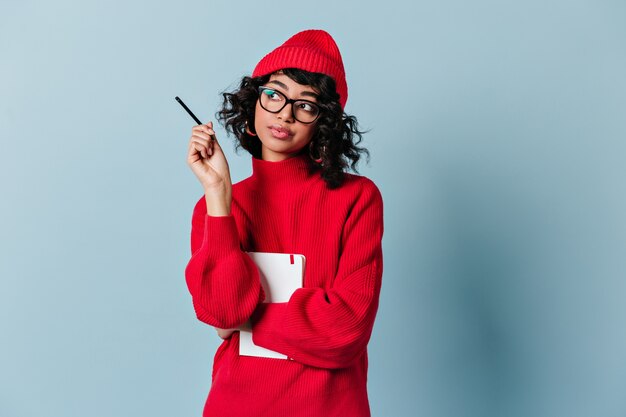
(498, 140)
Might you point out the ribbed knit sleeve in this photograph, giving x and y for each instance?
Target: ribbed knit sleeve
(330, 328)
(223, 281)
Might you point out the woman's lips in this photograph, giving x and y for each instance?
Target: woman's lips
(280, 132)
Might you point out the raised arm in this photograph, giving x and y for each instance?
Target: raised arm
(223, 281)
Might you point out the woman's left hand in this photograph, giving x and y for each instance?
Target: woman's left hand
(225, 333)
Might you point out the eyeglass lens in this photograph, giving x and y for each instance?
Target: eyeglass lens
(274, 101)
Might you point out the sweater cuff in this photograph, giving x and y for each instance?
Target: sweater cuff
(220, 235)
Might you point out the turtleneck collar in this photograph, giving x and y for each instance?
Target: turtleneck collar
(291, 171)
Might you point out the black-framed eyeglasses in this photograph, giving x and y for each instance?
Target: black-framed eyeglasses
(274, 101)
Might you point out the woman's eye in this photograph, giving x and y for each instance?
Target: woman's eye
(306, 107)
(272, 94)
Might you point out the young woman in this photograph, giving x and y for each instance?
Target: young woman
(289, 116)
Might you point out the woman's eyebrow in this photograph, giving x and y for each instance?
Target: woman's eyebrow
(304, 93)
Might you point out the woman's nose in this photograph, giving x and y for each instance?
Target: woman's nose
(286, 114)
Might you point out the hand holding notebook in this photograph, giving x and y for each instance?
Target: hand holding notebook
(281, 274)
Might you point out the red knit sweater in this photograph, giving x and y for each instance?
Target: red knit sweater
(326, 325)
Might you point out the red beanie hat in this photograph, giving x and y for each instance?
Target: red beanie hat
(310, 50)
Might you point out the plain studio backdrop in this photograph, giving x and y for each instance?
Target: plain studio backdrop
(497, 132)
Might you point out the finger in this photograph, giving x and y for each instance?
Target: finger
(201, 142)
(200, 153)
(200, 148)
(216, 143)
(207, 133)
(196, 153)
(203, 135)
(211, 141)
(211, 133)
(205, 126)
(202, 130)
(198, 128)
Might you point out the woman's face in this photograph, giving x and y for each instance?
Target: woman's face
(280, 134)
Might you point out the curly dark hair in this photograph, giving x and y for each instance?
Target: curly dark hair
(336, 135)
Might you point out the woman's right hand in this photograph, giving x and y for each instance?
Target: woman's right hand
(208, 162)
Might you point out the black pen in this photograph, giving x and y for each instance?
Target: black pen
(188, 111)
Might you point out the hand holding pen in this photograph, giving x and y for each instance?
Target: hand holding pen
(208, 162)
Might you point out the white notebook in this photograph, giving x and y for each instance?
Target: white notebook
(281, 274)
